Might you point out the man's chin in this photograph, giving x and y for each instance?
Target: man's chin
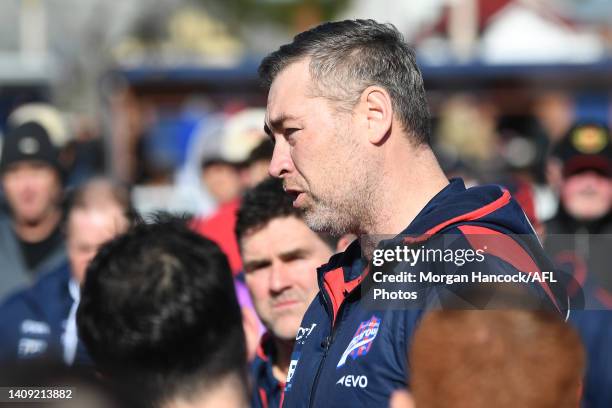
(324, 222)
(29, 218)
(287, 328)
(286, 334)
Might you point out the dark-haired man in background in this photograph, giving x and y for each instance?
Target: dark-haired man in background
(31, 240)
(348, 114)
(159, 317)
(280, 255)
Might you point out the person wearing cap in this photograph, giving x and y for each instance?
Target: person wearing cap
(585, 156)
(30, 231)
(578, 239)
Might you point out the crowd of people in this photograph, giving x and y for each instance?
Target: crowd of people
(267, 301)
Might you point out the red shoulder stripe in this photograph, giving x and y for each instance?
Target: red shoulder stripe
(504, 247)
(264, 397)
(470, 216)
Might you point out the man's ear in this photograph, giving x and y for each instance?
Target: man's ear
(379, 113)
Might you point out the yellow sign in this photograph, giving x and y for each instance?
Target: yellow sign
(590, 139)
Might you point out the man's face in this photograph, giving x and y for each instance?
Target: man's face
(88, 229)
(587, 196)
(222, 181)
(258, 172)
(280, 262)
(32, 190)
(319, 153)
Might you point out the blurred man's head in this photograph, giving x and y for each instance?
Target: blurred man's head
(501, 358)
(586, 157)
(31, 176)
(258, 163)
(222, 179)
(280, 255)
(99, 211)
(159, 316)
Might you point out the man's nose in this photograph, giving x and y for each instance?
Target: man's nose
(281, 162)
(278, 277)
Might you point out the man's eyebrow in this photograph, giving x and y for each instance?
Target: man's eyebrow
(277, 123)
(294, 253)
(255, 264)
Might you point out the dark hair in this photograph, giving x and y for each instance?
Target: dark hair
(348, 56)
(88, 389)
(265, 202)
(263, 151)
(159, 313)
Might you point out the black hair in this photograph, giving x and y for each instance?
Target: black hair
(348, 56)
(263, 151)
(265, 202)
(159, 313)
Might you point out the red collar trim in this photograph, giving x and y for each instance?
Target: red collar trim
(470, 216)
(338, 289)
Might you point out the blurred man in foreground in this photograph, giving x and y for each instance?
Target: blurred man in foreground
(160, 318)
(502, 359)
(39, 322)
(31, 240)
(280, 256)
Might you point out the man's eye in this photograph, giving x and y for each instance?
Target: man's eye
(250, 269)
(290, 131)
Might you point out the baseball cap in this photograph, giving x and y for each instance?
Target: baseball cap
(29, 142)
(587, 146)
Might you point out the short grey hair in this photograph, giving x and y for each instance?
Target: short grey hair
(348, 56)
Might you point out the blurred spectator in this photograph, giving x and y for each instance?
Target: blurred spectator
(220, 228)
(224, 165)
(280, 255)
(586, 192)
(160, 318)
(39, 322)
(222, 179)
(226, 174)
(502, 358)
(524, 146)
(81, 149)
(467, 127)
(31, 239)
(258, 163)
(585, 156)
(578, 240)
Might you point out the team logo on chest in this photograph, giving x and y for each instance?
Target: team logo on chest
(362, 340)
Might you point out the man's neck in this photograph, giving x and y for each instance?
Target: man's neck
(282, 358)
(36, 232)
(406, 189)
